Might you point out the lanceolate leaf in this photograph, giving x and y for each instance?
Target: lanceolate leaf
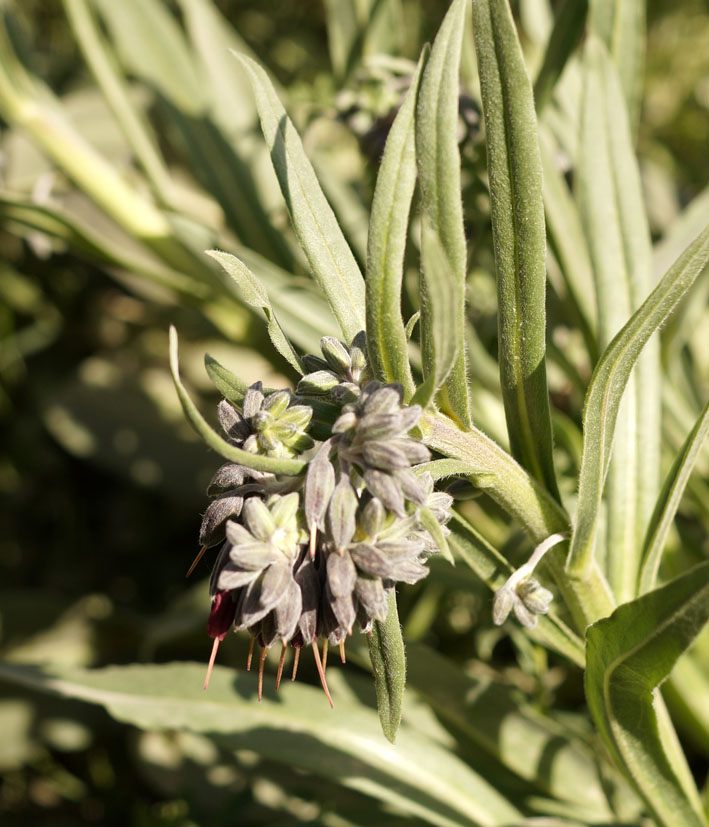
(438, 163)
(387, 344)
(567, 240)
(606, 389)
(669, 500)
(568, 27)
(621, 26)
(331, 260)
(438, 294)
(255, 295)
(496, 473)
(514, 166)
(531, 744)
(386, 651)
(628, 655)
(152, 46)
(612, 207)
(288, 467)
(115, 89)
(228, 385)
(294, 728)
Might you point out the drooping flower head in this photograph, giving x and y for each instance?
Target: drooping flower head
(316, 555)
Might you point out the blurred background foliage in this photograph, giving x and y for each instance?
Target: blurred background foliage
(101, 481)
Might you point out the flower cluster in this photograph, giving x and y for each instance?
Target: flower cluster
(314, 556)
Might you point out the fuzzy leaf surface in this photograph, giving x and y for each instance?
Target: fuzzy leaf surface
(387, 344)
(438, 162)
(606, 390)
(628, 655)
(613, 212)
(255, 295)
(386, 652)
(669, 500)
(330, 258)
(519, 236)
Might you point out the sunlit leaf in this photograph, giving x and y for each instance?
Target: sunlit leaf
(388, 229)
(386, 652)
(669, 500)
(606, 390)
(331, 260)
(519, 236)
(288, 467)
(438, 162)
(613, 212)
(255, 295)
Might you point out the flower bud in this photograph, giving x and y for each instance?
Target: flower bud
(317, 384)
(336, 354)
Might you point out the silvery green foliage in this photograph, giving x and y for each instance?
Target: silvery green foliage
(319, 554)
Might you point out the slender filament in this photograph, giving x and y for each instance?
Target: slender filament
(196, 560)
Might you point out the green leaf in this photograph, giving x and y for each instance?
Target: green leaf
(151, 45)
(331, 260)
(302, 309)
(387, 344)
(606, 390)
(356, 29)
(294, 727)
(228, 385)
(621, 26)
(628, 655)
(255, 295)
(222, 152)
(567, 240)
(288, 467)
(438, 164)
(678, 235)
(569, 23)
(109, 246)
(532, 745)
(517, 210)
(386, 652)
(612, 208)
(669, 500)
(438, 296)
(113, 85)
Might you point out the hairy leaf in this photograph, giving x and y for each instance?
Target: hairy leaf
(606, 390)
(386, 651)
(387, 344)
(519, 236)
(612, 207)
(254, 294)
(331, 260)
(669, 500)
(440, 345)
(438, 164)
(628, 655)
